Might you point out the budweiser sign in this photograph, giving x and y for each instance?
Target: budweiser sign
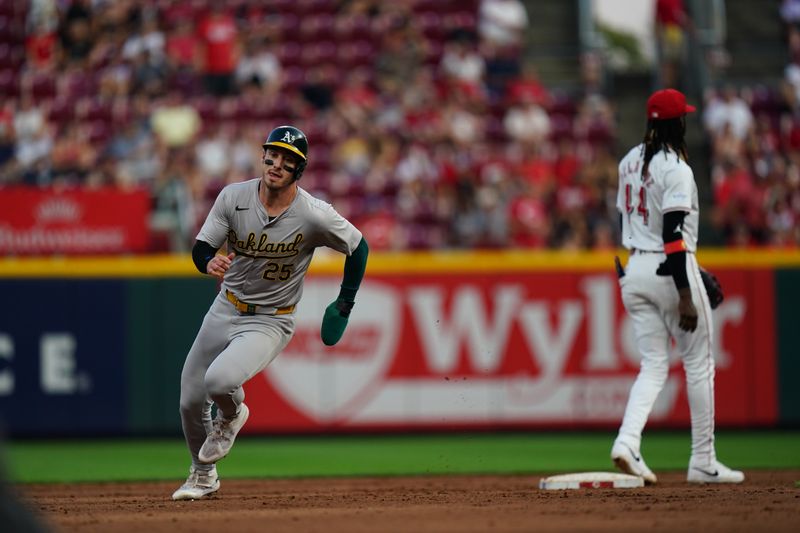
(37, 221)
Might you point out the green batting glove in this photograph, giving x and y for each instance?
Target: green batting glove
(334, 321)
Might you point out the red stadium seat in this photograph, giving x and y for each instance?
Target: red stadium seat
(99, 132)
(11, 57)
(9, 83)
(42, 86)
(207, 108)
(76, 84)
(289, 53)
(356, 53)
(62, 111)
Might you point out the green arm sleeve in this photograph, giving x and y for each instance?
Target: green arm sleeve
(354, 267)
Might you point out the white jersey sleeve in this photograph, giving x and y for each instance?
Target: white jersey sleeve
(678, 189)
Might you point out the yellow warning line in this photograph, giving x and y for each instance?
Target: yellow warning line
(388, 263)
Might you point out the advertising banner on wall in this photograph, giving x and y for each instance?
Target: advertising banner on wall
(62, 357)
(36, 221)
(535, 349)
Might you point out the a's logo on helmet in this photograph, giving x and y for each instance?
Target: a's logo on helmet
(289, 138)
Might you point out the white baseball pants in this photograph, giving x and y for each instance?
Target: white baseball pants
(652, 302)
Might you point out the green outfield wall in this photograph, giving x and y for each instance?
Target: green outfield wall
(787, 283)
(96, 345)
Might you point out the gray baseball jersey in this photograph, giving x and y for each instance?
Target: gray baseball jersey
(272, 257)
(668, 186)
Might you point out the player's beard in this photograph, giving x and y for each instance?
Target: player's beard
(276, 185)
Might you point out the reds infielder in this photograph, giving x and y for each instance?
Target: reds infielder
(662, 289)
(271, 227)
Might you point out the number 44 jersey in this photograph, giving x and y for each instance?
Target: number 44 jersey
(643, 198)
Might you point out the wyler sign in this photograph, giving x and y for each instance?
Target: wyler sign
(532, 349)
(36, 221)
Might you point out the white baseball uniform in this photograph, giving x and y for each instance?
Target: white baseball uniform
(652, 300)
(251, 320)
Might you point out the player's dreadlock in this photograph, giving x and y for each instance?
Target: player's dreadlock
(663, 135)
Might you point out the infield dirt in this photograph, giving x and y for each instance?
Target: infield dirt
(767, 501)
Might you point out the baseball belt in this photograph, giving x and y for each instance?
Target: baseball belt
(640, 251)
(253, 309)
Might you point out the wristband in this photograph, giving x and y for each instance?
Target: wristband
(674, 247)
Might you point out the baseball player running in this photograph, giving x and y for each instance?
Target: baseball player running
(662, 288)
(271, 227)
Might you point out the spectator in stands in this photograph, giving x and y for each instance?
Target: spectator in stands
(73, 155)
(149, 74)
(34, 140)
(77, 39)
(219, 40)
(319, 86)
(737, 203)
(174, 213)
(527, 88)
(182, 46)
(527, 122)
(529, 221)
(501, 30)
(672, 24)
(147, 39)
(728, 108)
(133, 149)
(7, 140)
(400, 57)
(175, 122)
(115, 79)
(463, 118)
(790, 11)
(790, 86)
(212, 154)
(42, 46)
(259, 64)
(461, 63)
(42, 15)
(502, 24)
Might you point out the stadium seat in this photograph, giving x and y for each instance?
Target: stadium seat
(42, 86)
(61, 111)
(207, 107)
(11, 57)
(76, 84)
(9, 83)
(289, 53)
(99, 132)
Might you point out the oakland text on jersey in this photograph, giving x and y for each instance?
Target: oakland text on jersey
(264, 248)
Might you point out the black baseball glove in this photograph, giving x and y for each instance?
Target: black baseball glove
(713, 288)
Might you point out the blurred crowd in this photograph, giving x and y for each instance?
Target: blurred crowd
(427, 126)
(755, 140)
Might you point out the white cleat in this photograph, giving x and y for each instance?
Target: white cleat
(631, 463)
(715, 472)
(198, 485)
(224, 430)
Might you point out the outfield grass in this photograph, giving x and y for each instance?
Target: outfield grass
(264, 457)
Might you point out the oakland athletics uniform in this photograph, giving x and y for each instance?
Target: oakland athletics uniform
(652, 300)
(251, 320)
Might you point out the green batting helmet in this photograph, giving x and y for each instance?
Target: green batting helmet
(291, 139)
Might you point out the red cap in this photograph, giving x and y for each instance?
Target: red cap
(666, 104)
